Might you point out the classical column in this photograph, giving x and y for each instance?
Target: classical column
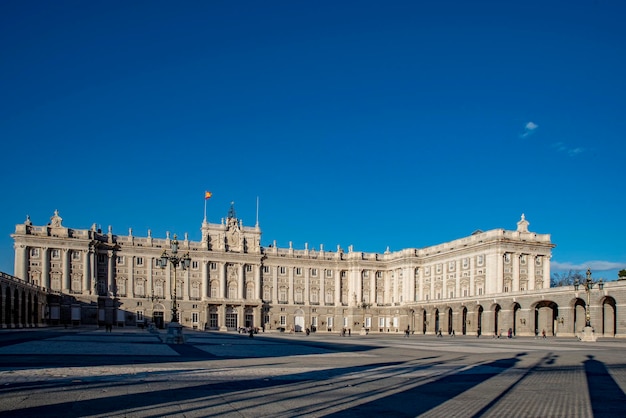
(396, 285)
(409, 288)
(167, 288)
(186, 287)
(21, 262)
(149, 277)
(223, 285)
(516, 263)
(357, 285)
(546, 271)
(258, 317)
(110, 277)
(86, 273)
(307, 285)
(45, 267)
(532, 265)
(322, 295)
(458, 271)
(444, 280)
(337, 274)
(204, 287)
(92, 271)
(420, 280)
(372, 277)
(275, 284)
(240, 281)
(498, 274)
(257, 282)
(472, 275)
(290, 289)
(221, 318)
(131, 276)
(65, 263)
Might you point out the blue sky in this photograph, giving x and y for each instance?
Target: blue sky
(372, 124)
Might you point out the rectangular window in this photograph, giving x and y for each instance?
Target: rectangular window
(140, 261)
(381, 322)
(76, 255)
(314, 321)
(329, 273)
(34, 252)
(283, 320)
(345, 322)
(194, 317)
(213, 320)
(248, 268)
(212, 266)
(314, 272)
(266, 269)
(55, 253)
(139, 316)
(282, 270)
(298, 271)
(120, 259)
(194, 265)
(101, 258)
(368, 322)
(480, 291)
(331, 321)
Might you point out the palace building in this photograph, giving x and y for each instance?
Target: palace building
(481, 283)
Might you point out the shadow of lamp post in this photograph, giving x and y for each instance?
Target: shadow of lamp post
(588, 283)
(174, 329)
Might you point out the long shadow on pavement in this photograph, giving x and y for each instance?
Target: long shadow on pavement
(420, 399)
(180, 396)
(607, 398)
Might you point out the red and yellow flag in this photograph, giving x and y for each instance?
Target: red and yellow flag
(207, 195)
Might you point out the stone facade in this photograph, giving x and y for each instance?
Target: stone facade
(485, 283)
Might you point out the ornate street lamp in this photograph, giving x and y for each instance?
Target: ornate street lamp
(588, 284)
(174, 330)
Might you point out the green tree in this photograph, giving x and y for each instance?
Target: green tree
(566, 279)
(622, 274)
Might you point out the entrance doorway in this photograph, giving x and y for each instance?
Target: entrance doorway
(299, 321)
(157, 318)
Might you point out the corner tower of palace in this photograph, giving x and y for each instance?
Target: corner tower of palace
(234, 282)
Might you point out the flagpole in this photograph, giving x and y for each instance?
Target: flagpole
(205, 199)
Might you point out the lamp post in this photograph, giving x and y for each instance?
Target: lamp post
(174, 329)
(588, 283)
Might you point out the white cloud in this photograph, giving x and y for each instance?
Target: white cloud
(531, 126)
(594, 265)
(564, 148)
(529, 129)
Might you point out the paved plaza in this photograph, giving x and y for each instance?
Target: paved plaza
(88, 372)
